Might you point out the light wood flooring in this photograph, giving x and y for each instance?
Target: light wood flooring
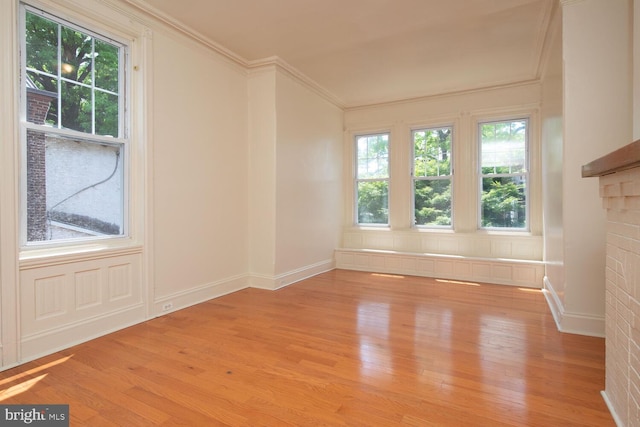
(343, 348)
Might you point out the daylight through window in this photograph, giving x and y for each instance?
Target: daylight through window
(74, 139)
(432, 177)
(372, 179)
(504, 174)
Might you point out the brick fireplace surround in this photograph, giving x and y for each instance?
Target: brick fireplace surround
(619, 182)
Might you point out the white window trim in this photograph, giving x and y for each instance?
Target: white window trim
(124, 28)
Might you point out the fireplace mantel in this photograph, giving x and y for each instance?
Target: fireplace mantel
(624, 158)
(619, 187)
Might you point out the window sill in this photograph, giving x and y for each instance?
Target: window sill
(46, 256)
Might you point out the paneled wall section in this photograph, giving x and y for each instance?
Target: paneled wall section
(62, 303)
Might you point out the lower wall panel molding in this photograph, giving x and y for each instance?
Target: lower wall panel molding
(526, 273)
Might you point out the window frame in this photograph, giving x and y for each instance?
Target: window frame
(124, 140)
(526, 173)
(450, 177)
(357, 179)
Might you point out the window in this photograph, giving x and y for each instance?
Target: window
(73, 131)
(432, 176)
(504, 174)
(372, 179)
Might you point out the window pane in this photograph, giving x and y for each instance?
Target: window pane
(433, 202)
(42, 45)
(76, 54)
(74, 188)
(373, 202)
(373, 156)
(76, 107)
(106, 114)
(504, 202)
(63, 62)
(42, 106)
(107, 66)
(503, 147)
(432, 152)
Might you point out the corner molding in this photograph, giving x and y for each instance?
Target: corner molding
(282, 65)
(572, 323)
(564, 3)
(145, 8)
(248, 66)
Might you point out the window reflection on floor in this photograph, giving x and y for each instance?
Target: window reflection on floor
(373, 332)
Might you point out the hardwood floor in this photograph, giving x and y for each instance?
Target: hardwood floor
(343, 348)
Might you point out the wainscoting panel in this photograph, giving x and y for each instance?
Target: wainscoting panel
(69, 302)
(528, 274)
(517, 246)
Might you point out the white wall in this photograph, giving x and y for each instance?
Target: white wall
(262, 176)
(552, 162)
(295, 139)
(309, 178)
(200, 169)
(597, 120)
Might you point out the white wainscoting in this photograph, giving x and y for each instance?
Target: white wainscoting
(525, 273)
(493, 245)
(63, 303)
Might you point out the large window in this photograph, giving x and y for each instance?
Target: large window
(74, 131)
(504, 174)
(432, 176)
(372, 179)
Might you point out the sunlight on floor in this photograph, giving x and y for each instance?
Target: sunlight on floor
(20, 387)
(458, 282)
(395, 276)
(534, 290)
(25, 385)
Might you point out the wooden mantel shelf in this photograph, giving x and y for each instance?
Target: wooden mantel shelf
(624, 158)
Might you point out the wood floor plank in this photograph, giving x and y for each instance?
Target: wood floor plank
(343, 348)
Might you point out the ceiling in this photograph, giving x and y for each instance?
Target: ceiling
(371, 51)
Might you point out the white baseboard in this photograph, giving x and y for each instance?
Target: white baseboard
(49, 341)
(614, 414)
(523, 273)
(572, 323)
(261, 281)
(180, 300)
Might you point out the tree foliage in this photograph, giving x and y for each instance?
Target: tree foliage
(503, 203)
(504, 174)
(432, 170)
(373, 174)
(81, 69)
(373, 202)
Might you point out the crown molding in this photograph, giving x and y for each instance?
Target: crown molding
(149, 10)
(545, 37)
(461, 92)
(291, 71)
(249, 66)
(564, 3)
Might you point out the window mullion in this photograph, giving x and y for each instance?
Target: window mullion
(93, 85)
(59, 77)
